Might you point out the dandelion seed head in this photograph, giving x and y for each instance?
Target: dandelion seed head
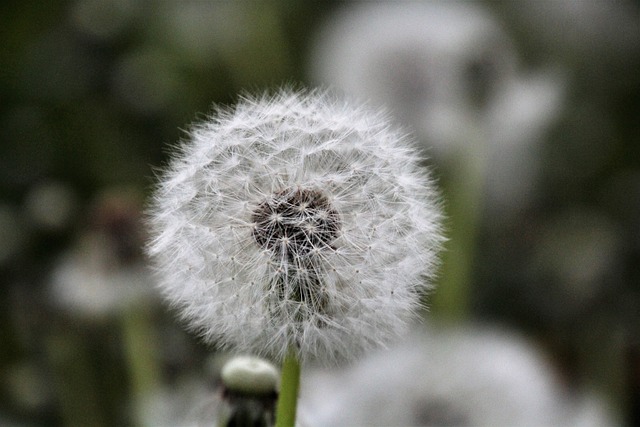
(286, 221)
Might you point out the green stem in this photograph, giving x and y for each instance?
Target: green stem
(289, 385)
(74, 378)
(463, 190)
(144, 371)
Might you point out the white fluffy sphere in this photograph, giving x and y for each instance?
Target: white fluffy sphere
(295, 221)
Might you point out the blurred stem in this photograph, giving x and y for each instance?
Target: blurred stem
(138, 334)
(463, 191)
(74, 380)
(289, 385)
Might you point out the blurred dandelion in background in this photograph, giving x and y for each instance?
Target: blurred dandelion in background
(480, 376)
(106, 271)
(452, 73)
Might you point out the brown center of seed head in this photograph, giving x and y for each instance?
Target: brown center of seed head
(295, 221)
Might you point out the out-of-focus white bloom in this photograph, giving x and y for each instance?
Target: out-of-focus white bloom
(86, 283)
(190, 403)
(473, 377)
(104, 272)
(295, 221)
(450, 71)
(438, 66)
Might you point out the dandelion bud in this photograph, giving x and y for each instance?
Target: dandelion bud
(250, 375)
(249, 392)
(295, 221)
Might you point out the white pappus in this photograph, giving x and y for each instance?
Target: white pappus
(296, 220)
